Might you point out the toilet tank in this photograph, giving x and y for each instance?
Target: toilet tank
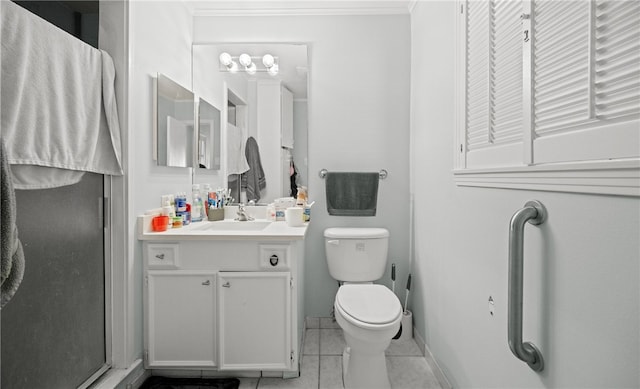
(356, 254)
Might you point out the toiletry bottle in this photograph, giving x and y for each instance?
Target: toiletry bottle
(168, 210)
(205, 200)
(212, 199)
(186, 217)
(197, 209)
(301, 200)
(181, 205)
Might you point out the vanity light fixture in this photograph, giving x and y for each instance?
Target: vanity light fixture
(249, 63)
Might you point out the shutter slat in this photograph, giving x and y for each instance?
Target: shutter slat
(562, 104)
(562, 122)
(556, 81)
(610, 54)
(571, 47)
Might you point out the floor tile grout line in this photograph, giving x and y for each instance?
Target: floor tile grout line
(319, 338)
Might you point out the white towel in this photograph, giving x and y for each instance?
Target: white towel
(236, 159)
(58, 103)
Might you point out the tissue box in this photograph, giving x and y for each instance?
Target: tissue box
(216, 214)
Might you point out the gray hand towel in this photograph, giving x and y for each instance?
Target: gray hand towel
(352, 193)
(253, 180)
(12, 256)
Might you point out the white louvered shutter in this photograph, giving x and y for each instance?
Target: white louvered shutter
(493, 83)
(586, 80)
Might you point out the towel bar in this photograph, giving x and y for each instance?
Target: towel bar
(383, 173)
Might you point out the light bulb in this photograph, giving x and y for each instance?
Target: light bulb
(268, 61)
(245, 60)
(225, 59)
(233, 67)
(273, 70)
(251, 69)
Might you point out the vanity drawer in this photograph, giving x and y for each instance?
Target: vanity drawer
(163, 256)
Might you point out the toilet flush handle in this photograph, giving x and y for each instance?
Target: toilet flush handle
(334, 242)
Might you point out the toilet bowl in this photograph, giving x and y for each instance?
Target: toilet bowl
(370, 316)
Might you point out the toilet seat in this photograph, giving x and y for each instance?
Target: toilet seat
(368, 305)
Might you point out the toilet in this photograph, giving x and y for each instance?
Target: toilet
(369, 314)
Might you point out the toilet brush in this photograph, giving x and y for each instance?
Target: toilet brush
(406, 298)
(393, 278)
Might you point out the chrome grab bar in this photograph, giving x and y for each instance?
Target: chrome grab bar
(535, 213)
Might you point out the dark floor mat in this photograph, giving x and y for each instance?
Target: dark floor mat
(190, 383)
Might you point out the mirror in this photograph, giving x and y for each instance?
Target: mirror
(174, 124)
(270, 109)
(208, 136)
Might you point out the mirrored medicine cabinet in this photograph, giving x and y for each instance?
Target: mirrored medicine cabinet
(174, 124)
(178, 139)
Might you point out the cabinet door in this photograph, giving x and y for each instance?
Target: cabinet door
(255, 320)
(180, 318)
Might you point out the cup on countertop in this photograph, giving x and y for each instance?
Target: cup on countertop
(294, 216)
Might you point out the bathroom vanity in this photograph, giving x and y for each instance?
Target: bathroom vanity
(223, 296)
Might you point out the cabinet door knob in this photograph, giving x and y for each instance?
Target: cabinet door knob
(160, 256)
(273, 260)
(207, 282)
(226, 285)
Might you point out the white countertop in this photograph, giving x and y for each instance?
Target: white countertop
(278, 230)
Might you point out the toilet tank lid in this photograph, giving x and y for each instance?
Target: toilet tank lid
(356, 233)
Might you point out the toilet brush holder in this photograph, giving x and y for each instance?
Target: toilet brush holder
(407, 327)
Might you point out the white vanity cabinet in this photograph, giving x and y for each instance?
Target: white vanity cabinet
(228, 305)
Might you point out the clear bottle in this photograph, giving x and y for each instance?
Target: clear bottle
(197, 208)
(168, 210)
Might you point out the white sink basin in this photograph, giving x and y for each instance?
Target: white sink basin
(234, 225)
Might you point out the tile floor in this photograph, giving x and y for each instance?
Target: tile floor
(322, 363)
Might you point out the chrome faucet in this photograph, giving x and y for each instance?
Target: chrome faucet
(242, 214)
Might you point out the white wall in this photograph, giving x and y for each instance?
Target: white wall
(358, 119)
(159, 42)
(582, 286)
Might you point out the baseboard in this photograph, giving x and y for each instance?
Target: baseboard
(431, 361)
(129, 378)
(419, 341)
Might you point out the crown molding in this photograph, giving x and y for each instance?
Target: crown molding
(412, 5)
(303, 12)
(301, 8)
